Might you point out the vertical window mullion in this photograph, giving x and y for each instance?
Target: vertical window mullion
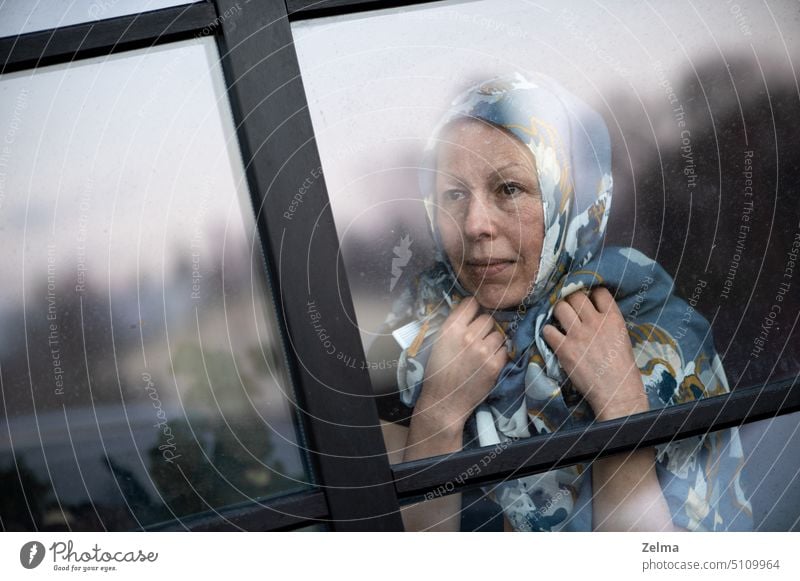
(302, 252)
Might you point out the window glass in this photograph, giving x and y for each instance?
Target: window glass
(771, 472)
(769, 476)
(143, 377)
(698, 105)
(21, 16)
(397, 70)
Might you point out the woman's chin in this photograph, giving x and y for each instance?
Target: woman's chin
(497, 299)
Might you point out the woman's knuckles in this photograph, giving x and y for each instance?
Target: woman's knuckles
(492, 369)
(483, 351)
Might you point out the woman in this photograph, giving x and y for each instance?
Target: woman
(527, 324)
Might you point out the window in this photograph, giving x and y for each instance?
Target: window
(220, 190)
(684, 160)
(143, 378)
(20, 17)
(686, 133)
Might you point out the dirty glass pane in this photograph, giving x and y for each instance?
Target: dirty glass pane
(143, 377)
(700, 106)
(21, 16)
(770, 477)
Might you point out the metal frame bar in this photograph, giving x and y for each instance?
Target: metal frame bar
(539, 454)
(358, 488)
(305, 9)
(105, 37)
(299, 239)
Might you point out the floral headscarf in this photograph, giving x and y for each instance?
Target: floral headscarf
(671, 342)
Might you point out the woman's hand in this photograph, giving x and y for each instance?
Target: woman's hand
(596, 353)
(466, 359)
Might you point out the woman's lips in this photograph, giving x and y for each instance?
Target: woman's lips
(488, 269)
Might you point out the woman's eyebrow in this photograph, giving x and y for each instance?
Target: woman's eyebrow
(451, 179)
(512, 165)
(512, 171)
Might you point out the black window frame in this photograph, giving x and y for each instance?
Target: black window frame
(357, 488)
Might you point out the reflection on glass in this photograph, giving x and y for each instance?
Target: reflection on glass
(142, 373)
(502, 192)
(21, 16)
(770, 458)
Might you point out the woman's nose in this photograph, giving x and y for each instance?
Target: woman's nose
(478, 220)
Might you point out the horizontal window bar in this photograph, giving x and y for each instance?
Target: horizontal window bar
(286, 513)
(304, 9)
(471, 468)
(108, 36)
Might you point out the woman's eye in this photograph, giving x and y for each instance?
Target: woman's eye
(454, 195)
(511, 189)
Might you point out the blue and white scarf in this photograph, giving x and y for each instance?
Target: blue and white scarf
(672, 343)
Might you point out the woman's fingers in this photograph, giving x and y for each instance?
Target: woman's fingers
(583, 307)
(497, 343)
(482, 326)
(496, 340)
(603, 299)
(553, 337)
(566, 315)
(464, 312)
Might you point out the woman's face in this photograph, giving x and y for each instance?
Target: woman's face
(489, 211)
